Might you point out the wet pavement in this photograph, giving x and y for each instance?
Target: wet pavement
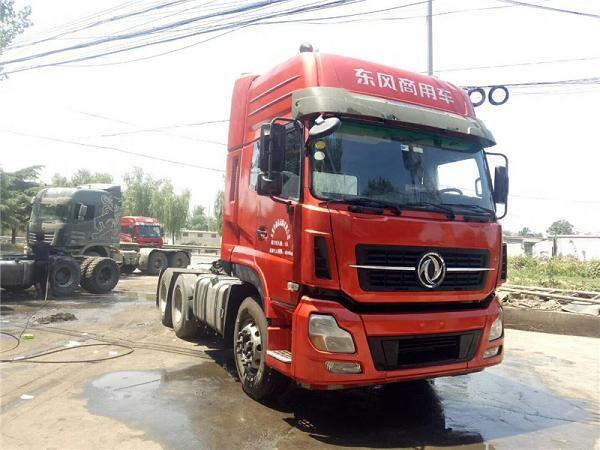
(177, 394)
(202, 406)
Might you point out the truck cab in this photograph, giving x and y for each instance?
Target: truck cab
(145, 231)
(360, 230)
(81, 221)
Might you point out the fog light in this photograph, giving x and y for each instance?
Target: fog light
(490, 352)
(343, 367)
(326, 335)
(497, 327)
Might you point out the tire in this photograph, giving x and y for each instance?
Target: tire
(83, 268)
(250, 345)
(101, 276)
(64, 277)
(184, 324)
(127, 269)
(179, 260)
(164, 303)
(157, 261)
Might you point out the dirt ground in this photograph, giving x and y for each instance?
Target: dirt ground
(176, 394)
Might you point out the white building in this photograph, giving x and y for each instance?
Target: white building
(196, 237)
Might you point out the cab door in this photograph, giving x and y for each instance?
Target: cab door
(278, 215)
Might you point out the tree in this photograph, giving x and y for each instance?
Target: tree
(561, 226)
(525, 231)
(219, 205)
(170, 209)
(198, 219)
(16, 190)
(84, 176)
(81, 177)
(139, 190)
(12, 23)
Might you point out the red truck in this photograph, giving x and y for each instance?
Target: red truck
(361, 242)
(145, 231)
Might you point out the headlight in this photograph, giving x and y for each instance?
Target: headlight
(326, 335)
(497, 327)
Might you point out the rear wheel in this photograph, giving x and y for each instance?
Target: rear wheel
(157, 261)
(64, 277)
(184, 324)
(179, 260)
(164, 303)
(101, 276)
(250, 346)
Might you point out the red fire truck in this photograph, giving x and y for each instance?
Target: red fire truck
(361, 242)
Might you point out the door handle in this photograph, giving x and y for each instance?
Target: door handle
(261, 233)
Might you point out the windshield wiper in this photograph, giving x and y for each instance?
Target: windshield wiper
(482, 209)
(368, 201)
(430, 206)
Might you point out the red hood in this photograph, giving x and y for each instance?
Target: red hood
(416, 233)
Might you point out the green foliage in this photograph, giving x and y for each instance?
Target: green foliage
(197, 220)
(139, 189)
(81, 177)
(561, 226)
(12, 23)
(564, 273)
(147, 196)
(16, 190)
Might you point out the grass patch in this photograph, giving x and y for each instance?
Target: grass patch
(561, 273)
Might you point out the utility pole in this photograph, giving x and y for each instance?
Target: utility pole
(429, 38)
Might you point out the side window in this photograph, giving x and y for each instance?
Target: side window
(91, 212)
(291, 167)
(254, 170)
(126, 230)
(235, 174)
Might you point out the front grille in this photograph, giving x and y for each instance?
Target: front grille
(390, 280)
(48, 237)
(402, 352)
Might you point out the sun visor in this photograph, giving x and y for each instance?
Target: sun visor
(319, 100)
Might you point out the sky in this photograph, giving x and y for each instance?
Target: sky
(546, 131)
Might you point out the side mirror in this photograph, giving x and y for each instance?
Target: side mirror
(81, 213)
(324, 127)
(272, 147)
(501, 185)
(269, 185)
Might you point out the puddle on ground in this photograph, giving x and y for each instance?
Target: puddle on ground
(202, 406)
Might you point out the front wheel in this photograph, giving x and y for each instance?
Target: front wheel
(250, 347)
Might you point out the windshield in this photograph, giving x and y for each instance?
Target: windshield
(399, 166)
(150, 231)
(49, 213)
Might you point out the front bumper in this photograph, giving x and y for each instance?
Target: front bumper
(308, 363)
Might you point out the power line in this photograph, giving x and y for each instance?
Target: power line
(531, 63)
(139, 33)
(577, 81)
(292, 11)
(550, 8)
(158, 129)
(116, 149)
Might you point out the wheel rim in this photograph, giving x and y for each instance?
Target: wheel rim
(248, 350)
(63, 277)
(105, 275)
